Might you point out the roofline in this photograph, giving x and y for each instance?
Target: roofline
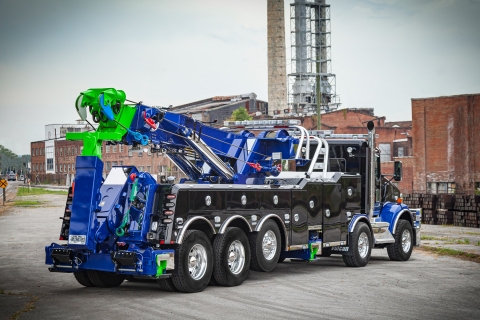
(455, 95)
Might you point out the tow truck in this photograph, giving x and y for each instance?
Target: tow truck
(250, 200)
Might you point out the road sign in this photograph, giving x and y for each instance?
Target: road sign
(3, 184)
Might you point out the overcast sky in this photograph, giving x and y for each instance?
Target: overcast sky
(384, 52)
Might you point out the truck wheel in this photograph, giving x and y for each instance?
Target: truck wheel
(195, 263)
(231, 257)
(361, 246)
(401, 250)
(265, 247)
(166, 284)
(83, 279)
(105, 279)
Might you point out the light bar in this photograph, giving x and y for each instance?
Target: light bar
(261, 124)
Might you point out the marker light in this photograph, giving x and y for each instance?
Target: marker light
(168, 212)
(171, 196)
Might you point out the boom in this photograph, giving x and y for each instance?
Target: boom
(204, 153)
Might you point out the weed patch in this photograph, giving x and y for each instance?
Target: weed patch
(452, 253)
(27, 203)
(23, 191)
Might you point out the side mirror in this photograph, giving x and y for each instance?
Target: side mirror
(397, 171)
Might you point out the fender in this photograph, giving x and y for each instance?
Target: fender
(188, 223)
(268, 216)
(356, 218)
(392, 212)
(227, 222)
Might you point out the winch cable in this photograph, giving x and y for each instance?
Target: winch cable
(213, 138)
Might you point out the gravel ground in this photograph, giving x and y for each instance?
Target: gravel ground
(425, 287)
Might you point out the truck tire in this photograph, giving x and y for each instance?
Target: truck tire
(83, 279)
(265, 247)
(361, 246)
(166, 284)
(231, 253)
(401, 249)
(105, 279)
(195, 262)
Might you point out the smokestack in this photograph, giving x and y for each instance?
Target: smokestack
(277, 72)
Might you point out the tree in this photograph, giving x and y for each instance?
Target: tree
(240, 114)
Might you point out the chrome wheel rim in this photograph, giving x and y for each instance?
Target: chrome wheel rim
(363, 245)
(406, 241)
(269, 245)
(236, 257)
(197, 261)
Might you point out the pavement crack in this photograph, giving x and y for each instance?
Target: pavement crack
(30, 305)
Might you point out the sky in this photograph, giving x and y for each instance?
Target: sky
(384, 53)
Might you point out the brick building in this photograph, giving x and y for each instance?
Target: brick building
(446, 144)
(394, 139)
(220, 108)
(37, 159)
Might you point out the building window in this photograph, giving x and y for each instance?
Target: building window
(109, 165)
(114, 163)
(400, 152)
(68, 151)
(64, 168)
(65, 151)
(107, 148)
(114, 149)
(140, 168)
(121, 163)
(50, 164)
(61, 152)
(140, 154)
(61, 169)
(36, 152)
(441, 187)
(149, 169)
(69, 167)
(384, 152)
(120, 148)
(73, 151)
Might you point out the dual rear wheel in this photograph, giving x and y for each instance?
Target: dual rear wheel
(226, 262)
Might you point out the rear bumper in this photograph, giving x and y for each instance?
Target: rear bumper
(149, 262)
